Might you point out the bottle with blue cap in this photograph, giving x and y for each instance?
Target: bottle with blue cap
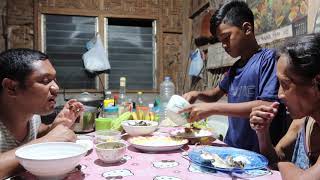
(110, 112)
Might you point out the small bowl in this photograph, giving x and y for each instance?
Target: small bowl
(51, 160)
(111, 152)
(107, 136)
(139, 127)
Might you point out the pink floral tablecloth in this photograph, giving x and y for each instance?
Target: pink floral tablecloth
(173, 165)
(156, 166)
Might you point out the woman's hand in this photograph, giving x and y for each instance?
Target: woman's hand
(70, 112)
(262, 116)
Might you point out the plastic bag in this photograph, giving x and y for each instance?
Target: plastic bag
(196, 63)
(96, 58)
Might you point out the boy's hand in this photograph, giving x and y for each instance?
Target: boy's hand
(60, 133)
(262, 116)
(191, 96)
(198, 111)
(70, 112)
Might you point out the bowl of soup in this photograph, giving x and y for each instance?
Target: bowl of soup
(139, 127)
(111, 152)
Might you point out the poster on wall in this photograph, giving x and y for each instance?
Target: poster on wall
(276, 17)
(316, 27)
(313, 16)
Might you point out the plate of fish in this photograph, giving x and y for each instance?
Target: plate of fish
(227, 158)
(191, 133)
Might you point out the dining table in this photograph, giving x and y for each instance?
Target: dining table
(144, 165)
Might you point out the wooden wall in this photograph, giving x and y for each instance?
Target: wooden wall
(171, 15)
(20, 29)
(3, 21)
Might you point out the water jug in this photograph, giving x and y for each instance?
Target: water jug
(166, 91)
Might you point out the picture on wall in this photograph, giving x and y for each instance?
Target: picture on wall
(274, 14)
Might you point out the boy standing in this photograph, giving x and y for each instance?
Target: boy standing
(250, 82)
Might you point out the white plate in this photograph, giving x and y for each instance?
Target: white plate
(157, 143)
(84, 137)
(88, 144)
(180, 132)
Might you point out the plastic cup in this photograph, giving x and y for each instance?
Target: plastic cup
(175, 104)
(103, 123)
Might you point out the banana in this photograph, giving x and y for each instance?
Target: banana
(141, 115)
(147, 117)
(134, 116)
(152, 116)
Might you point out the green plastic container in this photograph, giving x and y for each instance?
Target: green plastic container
(103, 123)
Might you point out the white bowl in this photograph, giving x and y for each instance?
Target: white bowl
(51, 160)
(175, 104)
(88, 144)
(111, 152)
(134, 129)
(108, 135)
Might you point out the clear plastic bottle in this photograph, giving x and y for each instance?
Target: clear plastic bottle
(110, 112)
(122, 92)
(166, 91)
(139, 101)
(109, 100)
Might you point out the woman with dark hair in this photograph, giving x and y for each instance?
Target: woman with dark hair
(298, 71)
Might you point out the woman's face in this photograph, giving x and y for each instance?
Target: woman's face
(300, 96)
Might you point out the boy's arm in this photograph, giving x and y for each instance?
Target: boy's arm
(211, 95)
(291, 172)
(236, 109)
(203, 110)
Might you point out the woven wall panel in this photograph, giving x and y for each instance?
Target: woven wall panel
(20, 12)
(20, 36)
(3, 8)
(172, 16)
(132, 7)
(76, 4)
(172, 62)
(196, 5)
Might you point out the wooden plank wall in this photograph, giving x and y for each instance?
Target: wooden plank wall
(171, 16)
(3, 25)
(19, 28)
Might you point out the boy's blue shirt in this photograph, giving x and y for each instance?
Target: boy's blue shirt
(256, 80)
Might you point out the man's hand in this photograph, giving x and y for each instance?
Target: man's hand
(262, 116)
(71, 110)
(198, 111)
(191, 96)
(60, 133)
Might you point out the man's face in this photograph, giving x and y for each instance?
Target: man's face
(41, 89)
(231, 38)
(298, 95)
